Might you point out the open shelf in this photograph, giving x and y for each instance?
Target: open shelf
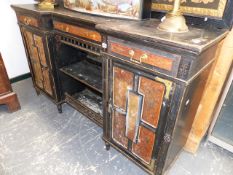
(85, 72)
(88, 103)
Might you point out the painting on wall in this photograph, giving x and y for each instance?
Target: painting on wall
(206, 8)
(113, 8)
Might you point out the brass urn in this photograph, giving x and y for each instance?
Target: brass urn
(174, 21)
(46, 4)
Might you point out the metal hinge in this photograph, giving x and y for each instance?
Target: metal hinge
(109, 107)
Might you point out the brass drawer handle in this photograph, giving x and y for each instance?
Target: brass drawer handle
(27, 21)
(131, 53)
(143, 57)
(67, 29)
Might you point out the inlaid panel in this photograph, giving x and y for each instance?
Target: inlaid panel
(47, 81)
(46, 74)
(28, 20)
(39, 44)
(118, 129)
(137, 104)
(142, 56)
(78, 31)
(34, 57)
(133, 115)
(122, 82)
(144, 147)
(153, 93)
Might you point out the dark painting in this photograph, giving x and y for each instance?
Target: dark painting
(208, 8)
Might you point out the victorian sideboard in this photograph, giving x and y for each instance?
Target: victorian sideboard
(142, 85)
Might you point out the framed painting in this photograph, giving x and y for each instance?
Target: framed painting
(204, 8)
(132, 9)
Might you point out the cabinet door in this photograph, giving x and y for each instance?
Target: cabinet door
(45, 69)
(137, 102)
(34, 58)
(39, 63)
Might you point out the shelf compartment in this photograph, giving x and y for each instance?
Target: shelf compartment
(87, 73)
(88, 103)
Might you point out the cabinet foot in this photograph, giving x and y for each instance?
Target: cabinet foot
(107, 146)
(11, 100)
(37, 92)
(59, 108)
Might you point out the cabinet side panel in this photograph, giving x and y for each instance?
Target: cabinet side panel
(186, 116)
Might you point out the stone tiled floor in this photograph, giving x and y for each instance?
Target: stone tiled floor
(38, 141)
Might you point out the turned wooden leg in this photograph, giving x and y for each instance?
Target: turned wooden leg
(37, 91)
(107, 146)
(11, 101)
(59, 108)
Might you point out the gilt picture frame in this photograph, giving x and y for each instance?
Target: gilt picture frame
(202, 8)
(129, 9)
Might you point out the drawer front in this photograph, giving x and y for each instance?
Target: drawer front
(78, 31)
(28, 20)
(145, 56)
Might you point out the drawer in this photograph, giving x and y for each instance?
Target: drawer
(28, 20)
(78, 31)
(148, 57)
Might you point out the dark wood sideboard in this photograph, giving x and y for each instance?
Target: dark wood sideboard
(7, 96)
(141, 85)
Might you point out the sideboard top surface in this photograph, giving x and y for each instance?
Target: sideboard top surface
(196, 40)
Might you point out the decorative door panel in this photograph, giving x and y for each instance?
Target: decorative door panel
(153, 96)
(39, 44)
(46, 74)
(123, 80)
(38, 61)
(144, 147)
(136, 107)
(118, 132)
(34, 58)
(134, 104)
(47, 81)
